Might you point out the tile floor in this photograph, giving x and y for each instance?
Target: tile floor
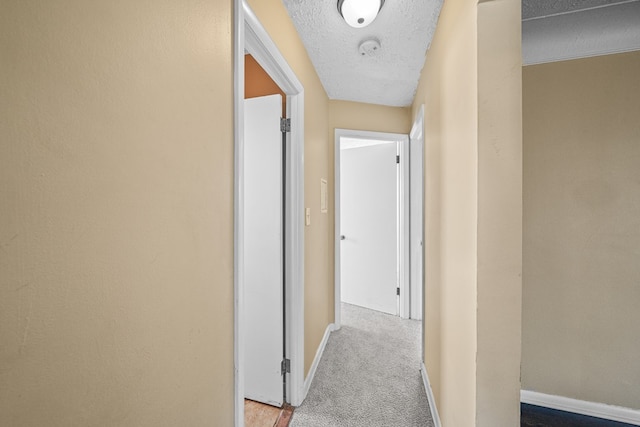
(258, 414)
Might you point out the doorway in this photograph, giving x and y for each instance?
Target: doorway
(264, 293)
(265, 146)
(369, 224)
(385, 195)
(252, 38)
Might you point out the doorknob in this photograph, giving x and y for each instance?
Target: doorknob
(342, 237)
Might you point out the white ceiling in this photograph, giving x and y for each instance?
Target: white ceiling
(552, 30)
(349, 143)
(404, 29)
(557, 30)
(542, 8)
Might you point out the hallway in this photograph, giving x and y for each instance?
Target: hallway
(368, 376)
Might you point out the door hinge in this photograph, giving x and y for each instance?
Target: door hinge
(285, 125)
(398, 291)
(285, 366)
(398, 159)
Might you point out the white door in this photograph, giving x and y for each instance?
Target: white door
(263, 250)
(368, 226)
(416, 183)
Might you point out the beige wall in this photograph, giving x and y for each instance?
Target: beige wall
(472, 175)
(499, 213)
(116, 213)
(369, 117)
(448, 89)
(582, 229)
(318, 153)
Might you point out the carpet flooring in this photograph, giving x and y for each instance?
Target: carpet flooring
(369, 375)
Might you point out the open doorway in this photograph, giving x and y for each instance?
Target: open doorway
(372, 221)
(382, 170)
(369, 249)
(251, 38)
(264, 264)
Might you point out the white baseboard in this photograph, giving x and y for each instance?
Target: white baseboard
(592, 409)
(430, 398)
(316, 360)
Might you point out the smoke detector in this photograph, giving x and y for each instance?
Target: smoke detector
(369, 47)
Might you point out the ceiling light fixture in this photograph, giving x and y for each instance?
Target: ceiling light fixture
(359, 13)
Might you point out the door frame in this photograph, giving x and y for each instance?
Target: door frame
(249, 34)
(418, 131)
(403, 141)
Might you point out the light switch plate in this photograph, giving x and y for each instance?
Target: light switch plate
(307, 216)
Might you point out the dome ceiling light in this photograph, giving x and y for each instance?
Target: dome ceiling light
(359, 13)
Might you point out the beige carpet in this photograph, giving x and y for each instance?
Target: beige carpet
(369, 375)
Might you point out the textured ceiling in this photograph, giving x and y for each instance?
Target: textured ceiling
(404, 29)
(539, 8)
(558, 30)
(552, 30)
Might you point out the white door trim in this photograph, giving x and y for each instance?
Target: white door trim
(417, 131)
(249, 34)
(404, 250)
(403, 140)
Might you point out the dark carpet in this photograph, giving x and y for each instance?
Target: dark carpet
(537, 416)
